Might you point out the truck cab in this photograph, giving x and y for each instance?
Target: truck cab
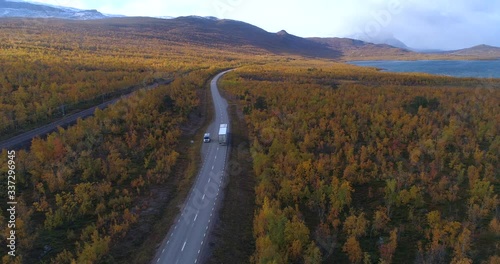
(206, 137)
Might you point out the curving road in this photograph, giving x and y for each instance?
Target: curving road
(187, 238)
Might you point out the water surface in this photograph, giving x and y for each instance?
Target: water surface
(474, 68)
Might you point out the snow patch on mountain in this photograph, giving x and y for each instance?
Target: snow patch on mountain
(12, 8)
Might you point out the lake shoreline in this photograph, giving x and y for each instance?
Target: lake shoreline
(460, 69)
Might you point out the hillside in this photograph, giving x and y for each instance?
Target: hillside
(236, 35)
(197, 31)
(227, 34)
(212, 32)
(360, 49)
(480, 50)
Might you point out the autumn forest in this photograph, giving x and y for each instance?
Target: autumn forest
(350, 164)
(359, 166)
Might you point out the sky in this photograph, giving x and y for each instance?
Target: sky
(421, 24)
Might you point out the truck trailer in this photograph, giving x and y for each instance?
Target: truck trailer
(223, 132)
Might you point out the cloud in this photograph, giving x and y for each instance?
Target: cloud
(429, 23)
(155, 8)
(66, 3)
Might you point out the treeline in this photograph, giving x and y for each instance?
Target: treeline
(357, 166)
(78, 189)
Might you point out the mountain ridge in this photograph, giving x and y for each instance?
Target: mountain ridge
(35, 10)
(360, 48)
(211, 31)
(482, 49)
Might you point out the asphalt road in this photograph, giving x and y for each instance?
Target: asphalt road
(187, 239)
(25, 138)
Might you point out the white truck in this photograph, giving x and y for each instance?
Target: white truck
(223, 131)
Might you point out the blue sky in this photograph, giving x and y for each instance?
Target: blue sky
(426, 24)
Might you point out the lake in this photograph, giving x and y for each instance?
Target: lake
(475, 68)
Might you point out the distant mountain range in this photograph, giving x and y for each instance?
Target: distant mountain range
(34, 10)
(383, 39)
(210, 31)
(480, 50)
(359, 49)
(219, 33)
